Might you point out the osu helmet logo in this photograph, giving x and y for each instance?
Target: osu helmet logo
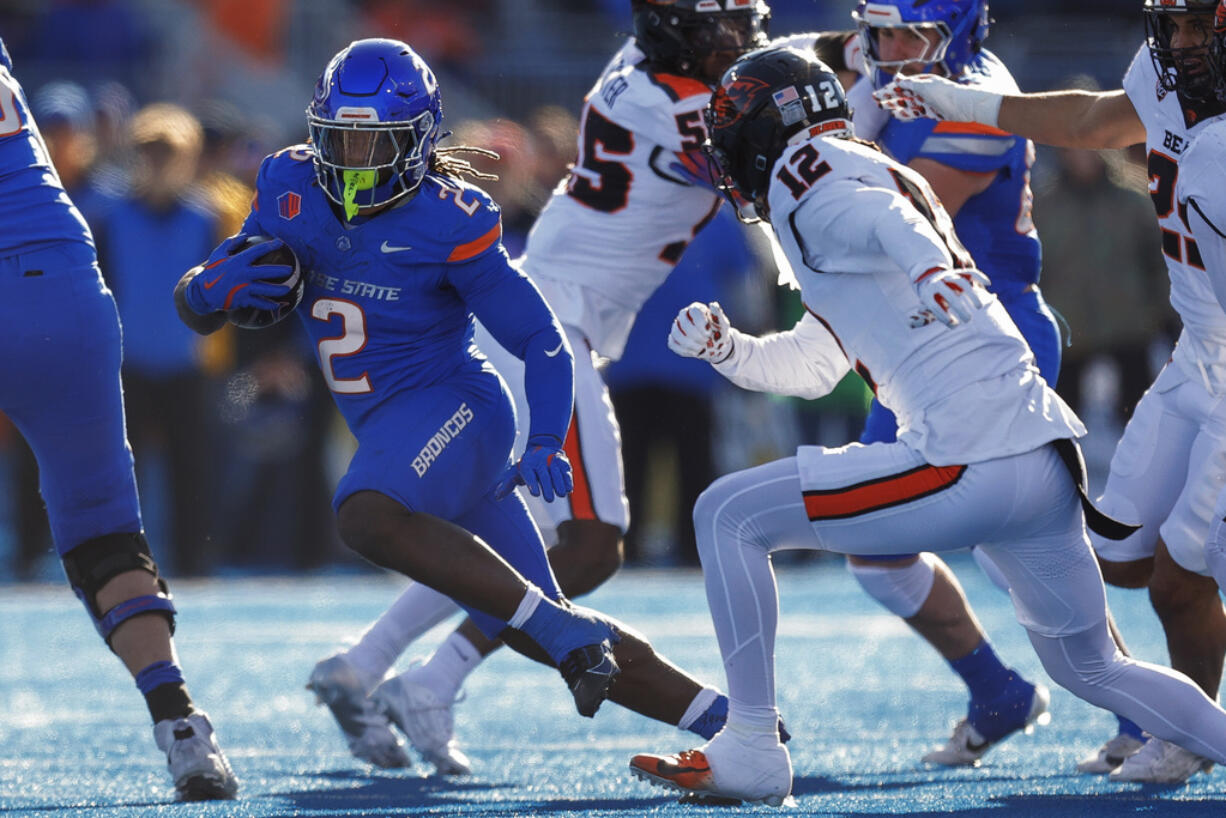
(1219, 19)
(734, 99)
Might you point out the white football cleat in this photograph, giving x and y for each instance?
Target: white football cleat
(336, 683)
(1111, 755)
(731, 766)
(967, 745)
(197, 765)
(1161, 762)
(425, 718)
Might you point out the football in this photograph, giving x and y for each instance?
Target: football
(252, 318)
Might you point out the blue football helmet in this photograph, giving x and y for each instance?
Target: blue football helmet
(374, 122)
(961, 27)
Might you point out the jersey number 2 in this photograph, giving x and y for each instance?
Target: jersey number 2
(350, 342)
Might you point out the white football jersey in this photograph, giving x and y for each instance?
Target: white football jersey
(1171, 165)
(857, 228)
(614, 229)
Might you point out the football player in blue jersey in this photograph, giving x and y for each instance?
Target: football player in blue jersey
(61, 388)
(982, 176)
(398, 255)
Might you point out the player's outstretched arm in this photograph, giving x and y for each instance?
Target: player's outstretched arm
(1074, 119)
(513, 310)
(806, 361)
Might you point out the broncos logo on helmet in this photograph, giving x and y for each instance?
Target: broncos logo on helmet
(952, 32)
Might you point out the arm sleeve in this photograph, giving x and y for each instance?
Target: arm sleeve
(805, 361)
(864, 220)
(510, 306)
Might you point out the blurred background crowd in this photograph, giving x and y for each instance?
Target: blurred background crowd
(158, 112)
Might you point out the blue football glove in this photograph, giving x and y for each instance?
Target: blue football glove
(544, 469)
(229, 282)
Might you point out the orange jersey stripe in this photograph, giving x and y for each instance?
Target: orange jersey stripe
(883, 492)
(581, 507)
(969, 128)
(683, 86)
(478, 246)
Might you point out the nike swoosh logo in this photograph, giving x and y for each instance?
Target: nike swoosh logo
(977, 746)
(552, 353)
(208, 285)
(391, 248)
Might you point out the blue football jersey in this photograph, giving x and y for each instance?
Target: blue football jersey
(995, 225)
(35, 210)
(388, 300)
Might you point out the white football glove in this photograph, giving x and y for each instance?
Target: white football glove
(702, 331)
(949, 294)
(926, 95)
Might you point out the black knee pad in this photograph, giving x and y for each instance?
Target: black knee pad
(94, 563)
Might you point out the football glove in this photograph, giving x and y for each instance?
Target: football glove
(702, 331)
(544, 469)
(227, 282)
(949, 294)
(934, 97)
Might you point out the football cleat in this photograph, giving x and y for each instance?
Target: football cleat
(197, 765)
(1161, 762)
(589, 673)
(1111, 755)
(968, 744)
(425, 718)
(724, 771)
(367, 731)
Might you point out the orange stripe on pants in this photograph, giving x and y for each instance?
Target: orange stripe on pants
(882, 492)
(581, 507)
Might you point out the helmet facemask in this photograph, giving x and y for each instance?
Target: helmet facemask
(678, 38)
(1185, 69)
(374, 121)
(363, 164)
(929, 51)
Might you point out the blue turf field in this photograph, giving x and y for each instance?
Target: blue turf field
(862, 696)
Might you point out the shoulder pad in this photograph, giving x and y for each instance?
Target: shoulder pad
(466, 221)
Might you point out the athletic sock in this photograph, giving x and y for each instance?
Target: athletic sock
(706, 714)
(415, 611)
(983, 673)
(164, 690)
(446, 670)
(1128, 727)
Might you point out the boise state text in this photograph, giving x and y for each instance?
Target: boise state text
(387, 298)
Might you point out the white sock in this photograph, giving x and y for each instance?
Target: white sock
(450, 665)
(754, 720)
(702, 701)
(415, 611)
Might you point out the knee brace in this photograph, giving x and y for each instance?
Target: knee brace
(94, 563)
(901, 590)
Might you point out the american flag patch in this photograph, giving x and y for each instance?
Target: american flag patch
(785, 96)
(791, 108)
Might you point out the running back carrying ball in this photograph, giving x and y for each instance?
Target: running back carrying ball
(255, 318)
